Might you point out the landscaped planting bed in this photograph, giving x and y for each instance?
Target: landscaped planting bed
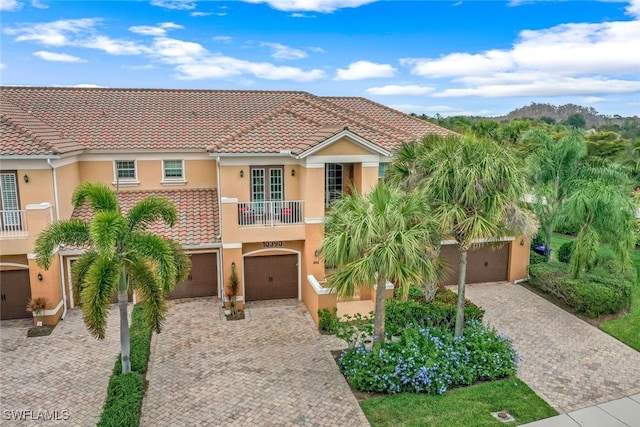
(430, 360)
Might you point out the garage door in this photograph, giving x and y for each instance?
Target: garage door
(15, 290)
(484, 264)
(202, 280)
(271, 277)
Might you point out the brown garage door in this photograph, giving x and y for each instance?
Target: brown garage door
(271, 277)
(202, 280)
(484, 264)
(15, 288)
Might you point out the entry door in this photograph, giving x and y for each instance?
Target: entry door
(267, 185)
(271, 277)
(15, 291)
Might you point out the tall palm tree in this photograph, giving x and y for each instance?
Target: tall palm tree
(474, 187)
(555, 167)
(379, 237)
(121, 254)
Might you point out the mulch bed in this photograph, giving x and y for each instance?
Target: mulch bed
(40, 331)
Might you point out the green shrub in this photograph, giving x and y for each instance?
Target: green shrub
(124, 399)
(537, 240)
(125, 391)
(328, 320)
(430, 360)
(594, 294)
(140, 334)
(536, 258)
(564, 253)
(401, 314)
(548, 276)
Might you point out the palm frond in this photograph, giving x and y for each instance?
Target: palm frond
(100, 197)
(73, 232)
(107, 229)
(100, 283)
(157, 250)
(79, 271)
(149, 210)
(144, 280)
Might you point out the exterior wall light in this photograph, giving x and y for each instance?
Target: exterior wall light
(26, 178)
(233, 265)
(241, 173)
(40, 277)
(293, 172)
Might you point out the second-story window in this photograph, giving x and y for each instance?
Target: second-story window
(173, 170)
(332, 183)
(126, 170)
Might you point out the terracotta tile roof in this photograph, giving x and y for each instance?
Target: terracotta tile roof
(387, 115)
(198, 216)
(153, 119)
(24, 134)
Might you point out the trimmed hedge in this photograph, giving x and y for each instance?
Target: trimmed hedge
(536, 258)
(595, 294)
(125, 391)
(441, 312)
(564, 253)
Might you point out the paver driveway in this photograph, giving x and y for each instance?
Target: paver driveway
(273, 368)
(566, 361)
(63, 375)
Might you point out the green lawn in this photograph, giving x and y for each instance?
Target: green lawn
(627, 328)
(468, 406)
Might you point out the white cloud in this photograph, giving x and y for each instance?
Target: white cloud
(400, 90)
(323, 6)
(57, 57)
(39, 5)
(633, 8)
(55, 33)
(190, 60)
(201, 13)
(443, 110)
(568, 59)
(85, 85)
(315, 49)
(301, 15)
(223, 39)
(139, 67)
(592, 99)
(283, 52)
(364, 70)
(10, 5)
(175, 4)
(2, 66)
(159, 30)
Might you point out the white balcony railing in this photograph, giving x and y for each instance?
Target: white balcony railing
(270, 213)
(13, 223)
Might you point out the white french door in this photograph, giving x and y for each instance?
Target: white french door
(267, 186)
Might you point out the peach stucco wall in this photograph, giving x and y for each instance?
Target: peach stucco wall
(519, 259)
(68, 178)
(49, 287)
(343, 148)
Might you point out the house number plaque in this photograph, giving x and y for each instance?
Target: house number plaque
(272, 244)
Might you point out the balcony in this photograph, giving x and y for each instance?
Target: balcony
(270, 213)
(13, 223)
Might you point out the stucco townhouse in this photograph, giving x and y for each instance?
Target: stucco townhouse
(251, 173)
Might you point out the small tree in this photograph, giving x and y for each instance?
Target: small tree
(231, 290)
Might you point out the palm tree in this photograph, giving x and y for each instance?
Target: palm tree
(379, 237)
(603, 212)
(554, 167)
(474, 188)
(121, 254)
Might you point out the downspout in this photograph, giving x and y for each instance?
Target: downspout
(55, 200)
(221, 277)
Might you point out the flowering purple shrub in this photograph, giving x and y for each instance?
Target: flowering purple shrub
(430, 360)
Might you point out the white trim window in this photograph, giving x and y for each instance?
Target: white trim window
(173, 171)
(332, 183)
(125, 172)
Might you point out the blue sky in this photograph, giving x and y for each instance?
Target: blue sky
(432, 57)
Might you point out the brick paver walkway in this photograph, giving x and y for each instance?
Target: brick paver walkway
(566, 361)
(62, 377)
(273, 368)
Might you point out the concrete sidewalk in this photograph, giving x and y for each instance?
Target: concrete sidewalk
(623, 412)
